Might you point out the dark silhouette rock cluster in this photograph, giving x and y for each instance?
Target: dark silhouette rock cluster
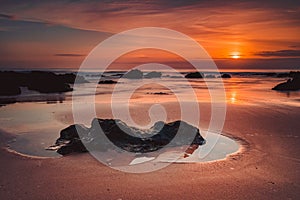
(127, 138)
(194, 75)
(133, 74)
(137, 74)
(107, 82)
(153, 74)
(225, 76)
(292, 84)
(40, 81)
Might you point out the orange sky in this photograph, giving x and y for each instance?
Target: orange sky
(61, 33)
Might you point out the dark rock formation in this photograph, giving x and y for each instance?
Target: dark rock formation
(226, 76)
(283, 75)
(6, 101)
(158, 93)
(289, 85)
(70, 78)
(127, 138)
(9, 88)
(44, 82)
(268, 74)
(133, 74)
(194, 75)
(153, 74)
(69, 140)
(107, 82)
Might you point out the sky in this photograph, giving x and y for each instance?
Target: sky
(236, 34)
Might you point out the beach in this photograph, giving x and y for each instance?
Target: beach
(267, 167)
(121, 100)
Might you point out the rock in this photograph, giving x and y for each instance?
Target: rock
(9, 89)
(283, 75)
(158, 93)
(291, 74)
(127, 138)
(69, 140)
(50, 87)
(70, 78)
(133, 74)
(107, 82)
(43, 82)
(268, 74)
(226, 76)
(289, 85)
(153, 74)
(5, 101)
(194, 75)
(9, 84)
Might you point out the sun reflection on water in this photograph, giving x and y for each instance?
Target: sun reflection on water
(233, 97)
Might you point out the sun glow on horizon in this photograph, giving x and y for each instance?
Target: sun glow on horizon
(235, 55)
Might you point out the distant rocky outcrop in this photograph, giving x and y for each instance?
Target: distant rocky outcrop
(292, 84)
(225, 76)
(107, 82)
(133, 74)
(158, 93)
(194, 75)
(41, 81)
(153, 74)
(132, 140)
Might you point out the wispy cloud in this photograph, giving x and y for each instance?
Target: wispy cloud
(5, 16)
(279, 53)
(69, 55)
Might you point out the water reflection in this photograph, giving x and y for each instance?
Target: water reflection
(233, 98)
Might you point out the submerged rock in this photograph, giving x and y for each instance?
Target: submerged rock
(194, 75)
(125, 137)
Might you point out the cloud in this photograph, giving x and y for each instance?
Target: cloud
(12, 17)
(279, 53)
(69, 55)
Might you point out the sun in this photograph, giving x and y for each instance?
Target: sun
(235, 55)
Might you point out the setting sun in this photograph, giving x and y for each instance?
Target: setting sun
(235, 55)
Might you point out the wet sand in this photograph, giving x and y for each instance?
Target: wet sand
(268, 168)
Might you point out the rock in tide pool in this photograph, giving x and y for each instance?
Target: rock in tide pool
(125, 137)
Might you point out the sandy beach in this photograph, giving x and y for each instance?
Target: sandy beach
(267, 168)
(158, 100)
